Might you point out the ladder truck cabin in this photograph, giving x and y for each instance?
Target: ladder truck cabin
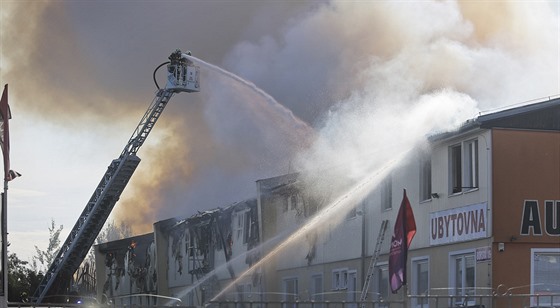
(182, 76)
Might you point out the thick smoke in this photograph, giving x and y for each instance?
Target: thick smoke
(372, 78)
(384, 75)
(88, 67)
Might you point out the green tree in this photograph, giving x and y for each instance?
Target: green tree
(22, 281)
(43, 258)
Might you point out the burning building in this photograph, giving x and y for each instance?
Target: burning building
(187, 260)
(127, 272)
(486, 202)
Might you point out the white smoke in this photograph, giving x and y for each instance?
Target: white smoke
(387, 74)
(372, 77)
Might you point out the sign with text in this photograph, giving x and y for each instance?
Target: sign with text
(459, 224)
(483, 254)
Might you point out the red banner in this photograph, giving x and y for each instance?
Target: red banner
(404, 231)
(5, 132)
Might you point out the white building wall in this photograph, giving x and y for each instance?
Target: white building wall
(340, 241)
(290, 218)
(441, 180)
(407, 176)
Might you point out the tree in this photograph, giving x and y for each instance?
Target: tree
(43, 259)
(22, 281)
(112, 232)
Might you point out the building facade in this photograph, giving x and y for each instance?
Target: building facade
(184, 261)
(126, 271)
(486, 202)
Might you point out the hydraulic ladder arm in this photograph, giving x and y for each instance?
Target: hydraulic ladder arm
(183, 76)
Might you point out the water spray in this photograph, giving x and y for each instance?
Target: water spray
(358, 191)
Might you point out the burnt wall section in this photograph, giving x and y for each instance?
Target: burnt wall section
(127, 271)
(204, 253)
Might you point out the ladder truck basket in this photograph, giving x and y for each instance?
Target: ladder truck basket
(182, 74)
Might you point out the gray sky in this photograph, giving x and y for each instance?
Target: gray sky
(362, 75)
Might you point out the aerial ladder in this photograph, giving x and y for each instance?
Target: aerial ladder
(373, 262)
(182, 76)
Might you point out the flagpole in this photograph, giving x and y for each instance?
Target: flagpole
(5, 245)
(5, 145)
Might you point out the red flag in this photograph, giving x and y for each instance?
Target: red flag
(5, 132)
(404, 231)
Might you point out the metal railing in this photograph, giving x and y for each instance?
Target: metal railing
(495, 300)
(412, 301)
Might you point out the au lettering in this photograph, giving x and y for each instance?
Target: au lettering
(531, 221)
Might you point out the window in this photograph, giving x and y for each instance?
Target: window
(455, 167)
(420, 281)
(290, 292)
(381, 283)
(239, 225)
(462, 278)
(339, 279)
(243, 226)
(289, 202)
(386, 192)
(471, 164)
(425, 177)
(247, 227)
(285, 204)
(293, 202)
(545, 270)
(317, 289)
(351, 291)
(463, 166)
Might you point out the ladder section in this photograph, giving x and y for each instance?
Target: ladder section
(147, 123)
(373, 262)
(182, 77)
(86, 229)
(81, 238)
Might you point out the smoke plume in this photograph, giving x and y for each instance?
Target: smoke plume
(381, 76)
(371, 78)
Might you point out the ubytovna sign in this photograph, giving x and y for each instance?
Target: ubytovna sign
(459, 224)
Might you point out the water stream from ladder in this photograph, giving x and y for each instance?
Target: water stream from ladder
(331, 212)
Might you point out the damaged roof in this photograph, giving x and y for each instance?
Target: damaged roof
(274, 183)
(203, 217)
(543, 115)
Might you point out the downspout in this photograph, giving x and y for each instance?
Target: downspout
(261, 238)
(364, 252)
